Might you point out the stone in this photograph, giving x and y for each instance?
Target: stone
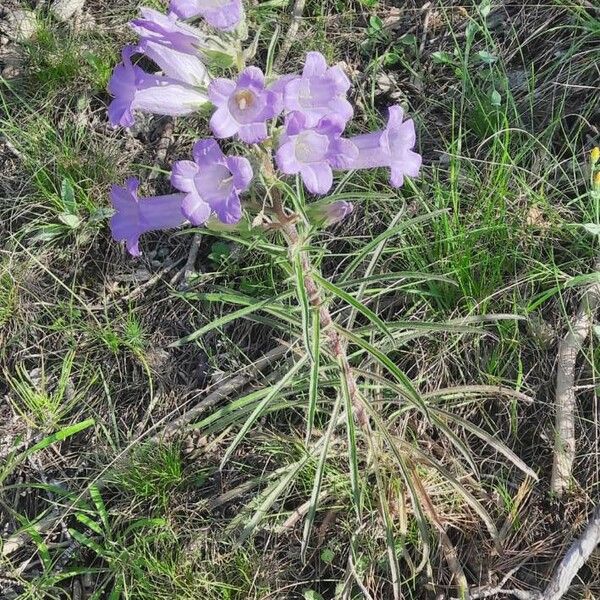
(63, 10)
(19, 25)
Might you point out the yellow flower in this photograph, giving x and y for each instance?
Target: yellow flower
(595, 155)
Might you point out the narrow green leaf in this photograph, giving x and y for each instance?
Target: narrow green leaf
(90, 543)
(59, 436)
(313, 388)
(359, 306)
(364, 251)
(316, 489)
(409, 391)
(100, 506)
(282, 383)
(351, 433)
(304, 302)
(89, 523)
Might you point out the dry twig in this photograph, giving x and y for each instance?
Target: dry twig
(290, 36)
(568, 350)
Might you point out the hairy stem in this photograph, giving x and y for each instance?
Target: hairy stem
(334, 340)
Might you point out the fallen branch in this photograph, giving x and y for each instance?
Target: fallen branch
(225, 388)
(290, 35)
(560, 583)
(568, 350)
(576, 556)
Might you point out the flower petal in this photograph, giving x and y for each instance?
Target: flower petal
(317, 177)
(342, 153)
(222, 124)
(252, 133)
(251, 77)
(229, 210)
(286, 160)
(179, 65)
(314, 65)
(182, 175)
(169, 98)
(241, 169)
(195, 209)
(225, 17)
(207, 152)
(220, 90)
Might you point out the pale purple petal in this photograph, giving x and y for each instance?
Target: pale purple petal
(229, 210)
(207, 152)
(315, 65)
(295, 123)
(169, 98)
(226, 17)
(241, 169)
(339, 78)
(342, 108)
(119, 113)
(222, 14)
(135, 216)
(244, 106)
(134, 89)
(186, 9)
(319, 92)
(252, 77)
(178, 65)
(337, 211)
(183, 173)
(195, 209)
(222, 124)
(167, 30)
(220, 90)
(252, 133)
(213, 183)
(286, 160)
(278, 86)
(317, 177)
(342, 153)
(391, 147)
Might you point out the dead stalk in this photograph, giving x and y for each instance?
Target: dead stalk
(290, 34)
(568, 350)
(576, 556)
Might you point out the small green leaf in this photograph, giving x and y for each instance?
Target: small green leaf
(375, 23)
(486, 57)
(495, 98)
(327, 555)
(67, 195)
(70, 220)
(592, 228)
(47, 233)
(219, 252)
(442, 58)
(408, 39)
(484, 8)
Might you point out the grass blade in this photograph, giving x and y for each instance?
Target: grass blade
(313, 388)
(282, 383)
(351, 433)
(316, 489)
(357, 305)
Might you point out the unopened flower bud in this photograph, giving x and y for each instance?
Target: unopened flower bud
(325, 214)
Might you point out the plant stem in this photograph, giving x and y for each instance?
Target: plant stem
(334, 340)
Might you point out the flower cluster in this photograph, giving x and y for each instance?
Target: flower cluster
(310, 143)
